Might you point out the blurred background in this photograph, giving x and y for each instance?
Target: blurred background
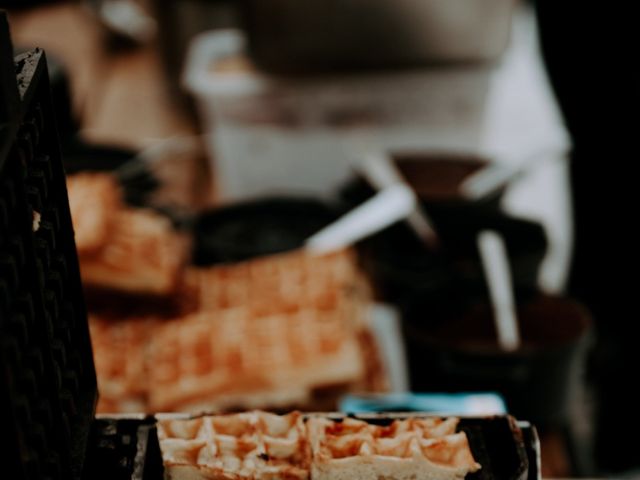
(209, 140)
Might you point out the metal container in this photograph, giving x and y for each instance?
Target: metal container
(300, 133)
(344, 34)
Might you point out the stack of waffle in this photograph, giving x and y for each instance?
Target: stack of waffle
(235, 358)
(260, 445)
(119, 352)
(277, 284)
(120, 248)
(236, 353)
(288, 330)
(270, 349)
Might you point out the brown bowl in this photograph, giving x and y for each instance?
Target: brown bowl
(437, 176)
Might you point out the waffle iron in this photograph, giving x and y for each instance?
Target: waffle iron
(48, 387)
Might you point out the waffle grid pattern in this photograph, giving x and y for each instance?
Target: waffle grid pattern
(410, 448)
(130, 250)
(231, 355)
(247, 445)
(119, 355)
(276, 356)
(277, 284)
(259, 445)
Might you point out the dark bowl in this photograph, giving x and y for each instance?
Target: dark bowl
(407, 273)
(459, 353)
(259, 227)
(410, 275)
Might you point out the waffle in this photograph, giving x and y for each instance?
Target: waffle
(119, 350)
(143, 255)
(414, 449)
(231, 359)
(93, 200)
(231, 350)
(259, 445)
(254, 445)
(277, 283)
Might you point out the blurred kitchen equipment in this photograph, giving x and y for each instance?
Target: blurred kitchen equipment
(388, 206)
(537, 380)
(416, 278)
(300, 134)
(328, 35)
(498, 175)
(178, 167)
(494, 259)
(439, 177)
(259, 227)
(179, 21)
(124, 20)
(406, 272)
(380, 172)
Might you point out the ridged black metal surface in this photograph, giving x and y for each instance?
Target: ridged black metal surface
(47, 377)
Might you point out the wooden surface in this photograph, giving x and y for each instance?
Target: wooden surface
(120, 97)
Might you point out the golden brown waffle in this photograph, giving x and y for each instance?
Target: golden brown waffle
(142, 255)
(234, 359)
(136, 251)
(93, 199)
(276, 284)
(119, 349)
(414, 448)
(254, 445)
(259, 445)
(270, 349)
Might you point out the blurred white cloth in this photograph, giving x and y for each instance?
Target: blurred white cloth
(522, 121)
